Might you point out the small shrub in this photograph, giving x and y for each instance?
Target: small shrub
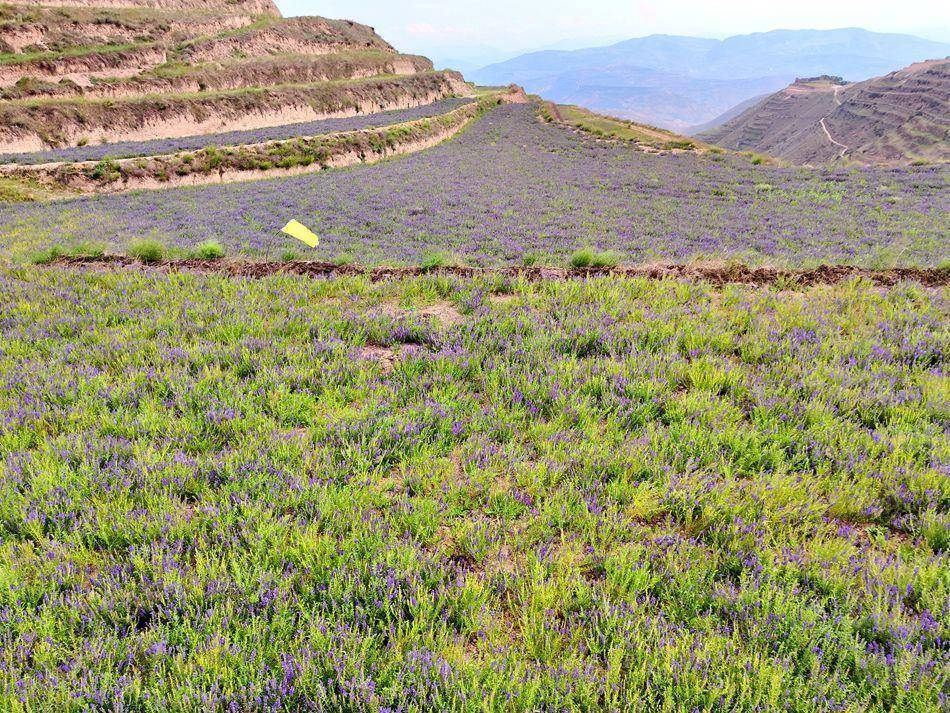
(583, 257)
(208, 250)
(45, 257)
(147, 250)
(106, 171)
(434, 260)
(588, 257)
(86, 249)
(607, 258)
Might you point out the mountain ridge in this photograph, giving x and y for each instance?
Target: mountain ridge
(894, 119)
(680, 82)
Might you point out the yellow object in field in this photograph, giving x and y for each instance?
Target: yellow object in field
(301, 232)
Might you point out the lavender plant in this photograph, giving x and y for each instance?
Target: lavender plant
(445, 494)
(511, 185)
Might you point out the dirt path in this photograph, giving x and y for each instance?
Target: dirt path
(714, 273)
(824, 127)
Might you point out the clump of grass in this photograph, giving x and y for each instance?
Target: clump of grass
(606, 258)
(51, 254)
(434, 260)
(529, 259)
(583, 257)
(588, 257)
(344, 259)
(288, 256)
(47, 256)
(147, 250)
(208, 250)
(86, 249)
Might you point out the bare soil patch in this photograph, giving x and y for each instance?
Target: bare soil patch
(386, 357)
(444, 312)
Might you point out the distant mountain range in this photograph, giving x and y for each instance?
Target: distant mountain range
(683, 82)
(901, 117)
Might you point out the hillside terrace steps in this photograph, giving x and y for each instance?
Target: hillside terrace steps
(241, 66)
(248, 7)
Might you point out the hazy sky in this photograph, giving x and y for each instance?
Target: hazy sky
(471, 26)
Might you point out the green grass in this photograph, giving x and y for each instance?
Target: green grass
(433, 260)
(14, 190)
(208, 250)
(621, 129)
(589, 257)
(610, 494)
(147, 250)
(50, 255)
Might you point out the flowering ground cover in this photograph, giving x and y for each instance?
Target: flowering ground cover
(512, 187)
(435, 494)
(129, 149)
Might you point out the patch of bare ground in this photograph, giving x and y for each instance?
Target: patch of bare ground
(443, 312)
(716, 274)
(386, 357)
(296, 434)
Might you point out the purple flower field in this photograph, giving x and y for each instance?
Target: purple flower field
(438, 494)
(157, 147)
(511, 187)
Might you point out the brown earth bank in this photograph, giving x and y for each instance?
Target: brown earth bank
(42, 124)
(58, 30)
(82, 69)
(245, 74)
(248, 7)
(712, 273)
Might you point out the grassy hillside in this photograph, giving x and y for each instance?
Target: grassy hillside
(512, 188)
(896, 120)
(561, 413)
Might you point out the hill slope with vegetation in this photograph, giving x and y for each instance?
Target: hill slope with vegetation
(896, 119)
(76, 74)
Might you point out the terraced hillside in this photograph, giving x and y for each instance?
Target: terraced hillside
(897, 119)
(83, 74)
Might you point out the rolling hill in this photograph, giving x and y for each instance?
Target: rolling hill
(681, 82)
(898, 118)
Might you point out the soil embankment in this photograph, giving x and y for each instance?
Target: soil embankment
(714, 274)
